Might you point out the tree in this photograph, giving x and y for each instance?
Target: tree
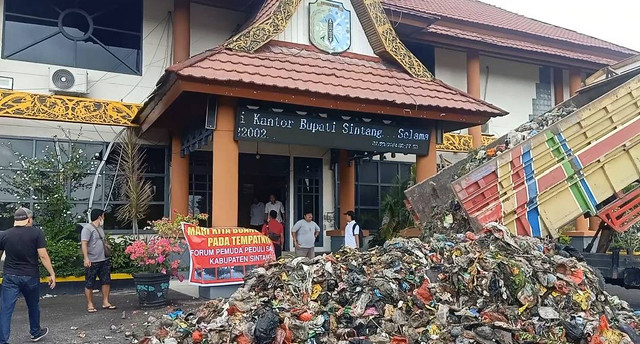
(48, 182)
(131, 182)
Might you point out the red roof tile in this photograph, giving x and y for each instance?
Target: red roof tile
(300, 67)
(518, 44)
(481, 13)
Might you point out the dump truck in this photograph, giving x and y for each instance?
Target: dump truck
(585, 163)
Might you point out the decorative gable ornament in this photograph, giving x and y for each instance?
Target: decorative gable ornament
(329, 26)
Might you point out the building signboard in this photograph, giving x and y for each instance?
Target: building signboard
(335, 131)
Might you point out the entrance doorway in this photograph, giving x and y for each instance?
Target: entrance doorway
(308, 191)
(260, 176)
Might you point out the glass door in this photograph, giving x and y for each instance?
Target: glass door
(308, 190)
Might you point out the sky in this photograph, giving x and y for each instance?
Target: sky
(615, 21)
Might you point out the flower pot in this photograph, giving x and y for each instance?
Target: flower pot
(152, 289)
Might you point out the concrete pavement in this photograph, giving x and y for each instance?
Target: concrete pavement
(64, 312)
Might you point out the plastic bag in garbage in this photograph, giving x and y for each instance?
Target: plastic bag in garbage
(266, 327)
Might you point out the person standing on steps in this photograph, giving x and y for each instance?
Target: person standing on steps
(257, 214)
(274, 230)
(305, 233)
(96, 252)
(276, 205)
(23, 245)
(351, 231)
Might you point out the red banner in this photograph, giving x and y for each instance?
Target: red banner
(222, 256)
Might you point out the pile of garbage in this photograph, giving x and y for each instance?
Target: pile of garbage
(491, 288)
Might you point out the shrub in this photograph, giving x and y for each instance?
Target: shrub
(120, 261)
(153, 255)
(65, 257)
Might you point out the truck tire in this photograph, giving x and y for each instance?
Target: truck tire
(631, 278)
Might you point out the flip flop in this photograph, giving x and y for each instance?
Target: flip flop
(91, 310)
(110, 307)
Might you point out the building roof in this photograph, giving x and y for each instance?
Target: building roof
(303, 68)
(477, 12)
(518, 44)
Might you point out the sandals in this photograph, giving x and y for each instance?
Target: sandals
(109, 307)
(91, 310)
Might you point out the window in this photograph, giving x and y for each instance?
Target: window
(106, 192)
(375, 180)
(99, 34)
(157, 165)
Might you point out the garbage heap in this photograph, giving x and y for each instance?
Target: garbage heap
(493, 288)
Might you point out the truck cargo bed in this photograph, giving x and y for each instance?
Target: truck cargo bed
(563, 172)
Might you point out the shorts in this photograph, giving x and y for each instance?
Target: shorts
(101, 270)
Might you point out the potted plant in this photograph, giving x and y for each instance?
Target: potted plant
(153, 258)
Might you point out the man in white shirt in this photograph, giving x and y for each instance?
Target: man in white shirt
(257, 211)
(351, 231)
(274, 205)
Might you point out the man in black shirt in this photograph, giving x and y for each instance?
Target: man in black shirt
(23, 245)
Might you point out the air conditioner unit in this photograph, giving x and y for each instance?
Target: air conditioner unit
(67, 80)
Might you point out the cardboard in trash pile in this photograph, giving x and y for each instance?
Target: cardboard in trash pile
(491, 288)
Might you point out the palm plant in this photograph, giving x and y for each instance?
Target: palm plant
(132, 184)
(396, 216)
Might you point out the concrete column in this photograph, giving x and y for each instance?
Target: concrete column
(225, 166)
(575, 82)
(427, 165)
(180, 165)
(473, 88)
(347, 192)
(558, 85)
(181, 30)
(179, 178)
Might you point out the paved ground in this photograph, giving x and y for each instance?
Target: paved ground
(63, 312)
(630, 295)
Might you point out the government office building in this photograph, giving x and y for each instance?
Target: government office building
(326, 104)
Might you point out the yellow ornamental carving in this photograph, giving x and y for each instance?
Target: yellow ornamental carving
(460, 142)
(385, 41)
(260, 33)
(68, 109)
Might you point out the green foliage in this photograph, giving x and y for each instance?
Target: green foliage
(564, 239)
(395, 212)
(120, 261)
(172, 229)
(65, 257)
(629, 240)
(49, 180)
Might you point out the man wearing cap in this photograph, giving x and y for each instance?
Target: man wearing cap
(96, 261)
(351, 231)
(23, 244)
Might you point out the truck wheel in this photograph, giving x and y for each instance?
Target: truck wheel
(631, 278)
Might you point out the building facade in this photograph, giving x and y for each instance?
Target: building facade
(123, 54)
